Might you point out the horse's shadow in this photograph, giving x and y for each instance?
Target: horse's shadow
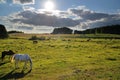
(2, 63)
(14, 75)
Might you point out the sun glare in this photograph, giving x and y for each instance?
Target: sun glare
(49, 5)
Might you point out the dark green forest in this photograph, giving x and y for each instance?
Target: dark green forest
(113, 29)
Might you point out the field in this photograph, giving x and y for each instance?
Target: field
(64, 57)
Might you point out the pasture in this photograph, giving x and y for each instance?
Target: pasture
(63, 57)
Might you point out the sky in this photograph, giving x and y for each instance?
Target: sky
(42, 16)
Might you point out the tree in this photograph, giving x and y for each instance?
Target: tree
(3, 32)
(62, 30)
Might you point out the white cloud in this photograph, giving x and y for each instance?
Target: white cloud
(28, 8)
(25, 2)
(91, 19)
(44, 21)
(2, 1)
(33, 18)
(87, 14)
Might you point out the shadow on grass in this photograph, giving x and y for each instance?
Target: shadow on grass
(14, 75)
(2, 63)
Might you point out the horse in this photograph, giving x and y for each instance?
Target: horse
(21, 57)
(35, 42)
(4, 53)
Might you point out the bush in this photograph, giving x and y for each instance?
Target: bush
(37, 38)
(3, 32)
(111, 59)
(42, 38)
(33, 38)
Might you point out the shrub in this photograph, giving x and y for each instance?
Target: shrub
(42, 38)
(37, 38)
(33, 38)
(111, 59)
(3, 32)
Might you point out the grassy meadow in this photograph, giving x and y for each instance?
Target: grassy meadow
(63, 57)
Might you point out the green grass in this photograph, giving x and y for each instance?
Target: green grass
(63, 58)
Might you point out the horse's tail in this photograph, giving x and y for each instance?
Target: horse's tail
(12, 58)
(30, 62)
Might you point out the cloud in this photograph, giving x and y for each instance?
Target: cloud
(88, 14)
(28, 8)
(91, 19)
(24, 28)
(23, 2)
(39, 19)
(100, 22)
(2, 1)
(76, 18)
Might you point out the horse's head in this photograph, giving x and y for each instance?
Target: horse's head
(10, 52)
(3, 55)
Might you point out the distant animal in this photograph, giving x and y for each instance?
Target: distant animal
(35, 42)
(4, 53)
(88, 40)
(21, 57)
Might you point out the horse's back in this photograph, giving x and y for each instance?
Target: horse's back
(21, 57)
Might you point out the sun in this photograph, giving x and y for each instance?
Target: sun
(49, 5)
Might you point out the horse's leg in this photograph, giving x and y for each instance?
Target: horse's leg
(2, 57)
(10, 57)
(30, 64)
(25, 65)
(16, 64)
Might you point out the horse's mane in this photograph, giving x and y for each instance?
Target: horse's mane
(12, 60)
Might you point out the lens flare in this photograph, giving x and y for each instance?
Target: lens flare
(49, 5)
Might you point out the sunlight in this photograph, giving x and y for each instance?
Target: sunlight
(49, 5)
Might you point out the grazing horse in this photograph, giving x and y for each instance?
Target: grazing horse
(21, 57)
(4, 53)
(35, 42)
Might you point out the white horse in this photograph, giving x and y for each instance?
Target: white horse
(21, 57)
